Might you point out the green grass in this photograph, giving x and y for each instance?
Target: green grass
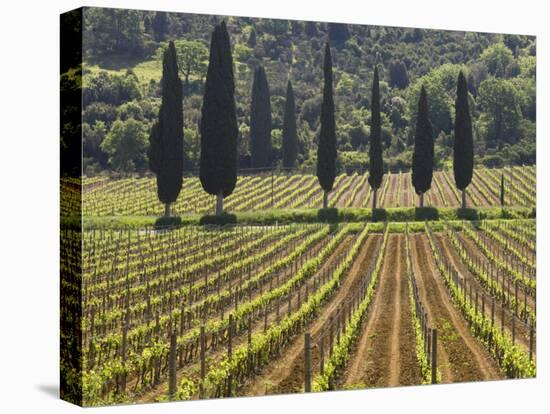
(396, 216)
(145, 71)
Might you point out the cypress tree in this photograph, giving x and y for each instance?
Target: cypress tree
(290, 136)
(376, 170)
(252, 38)
(160, 25)
(463, 162)
(423, 154)
(218, 127)
(326, 149)
(260, 121)
(399, 77)
(166, 140)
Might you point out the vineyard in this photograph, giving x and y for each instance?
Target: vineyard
(202, 312)
(104, 196)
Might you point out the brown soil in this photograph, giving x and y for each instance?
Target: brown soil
(460, 356)
(391, 192)
(449, 194)
(493, 198)
(286, 374)
(473, 251)
(385, 354)
(450, 253)
(344, 200)
(215, 355)
(360, 196)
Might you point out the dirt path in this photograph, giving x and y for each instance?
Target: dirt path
(360, 196)
(385, 354)
(461, 357)
(405, 190)
(391, 192)
(285, 374)
(450, 253)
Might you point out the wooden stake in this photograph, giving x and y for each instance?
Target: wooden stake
(307, 362)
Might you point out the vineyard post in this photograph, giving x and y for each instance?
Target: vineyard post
(265, 318)
(338, 324)
(230, 336)
(229, 351)
(307, 362)
(182, 318)
(513, 330)
(249, 359)
(203, 361)
(531, 341)
(289, 303)
(429, 344)
(492, 313)
(434, 356)
(516, 298)
(502, 318)
(322, 354)
(330, 337)
(124, 346)
(249, 330)
(525, 301)
(172, 380)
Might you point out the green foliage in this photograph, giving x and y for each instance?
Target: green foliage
(497, 57)
(114, 89)
(166, 140)
(290, 134)
(499, 99)
(440, 84)
(71, 128)
(376, 164)
(125, 145)
(218, 219)
(218, 128)
(260, 121)
(114, 31)
(423, 147)
(399, 78)
(326, 152)
(463, 159)
(192, 56)
(429, 57)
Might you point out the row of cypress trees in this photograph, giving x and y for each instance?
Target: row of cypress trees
(219, 131)
(463, 145)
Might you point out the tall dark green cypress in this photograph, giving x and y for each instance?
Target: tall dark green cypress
(326, 149)
(463, 162)
(260, 121)
(218, 127)
(423, 154)
(376, 167)
(166, 140)
(290, 135)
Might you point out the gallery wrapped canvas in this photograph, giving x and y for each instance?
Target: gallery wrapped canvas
(263, 206)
